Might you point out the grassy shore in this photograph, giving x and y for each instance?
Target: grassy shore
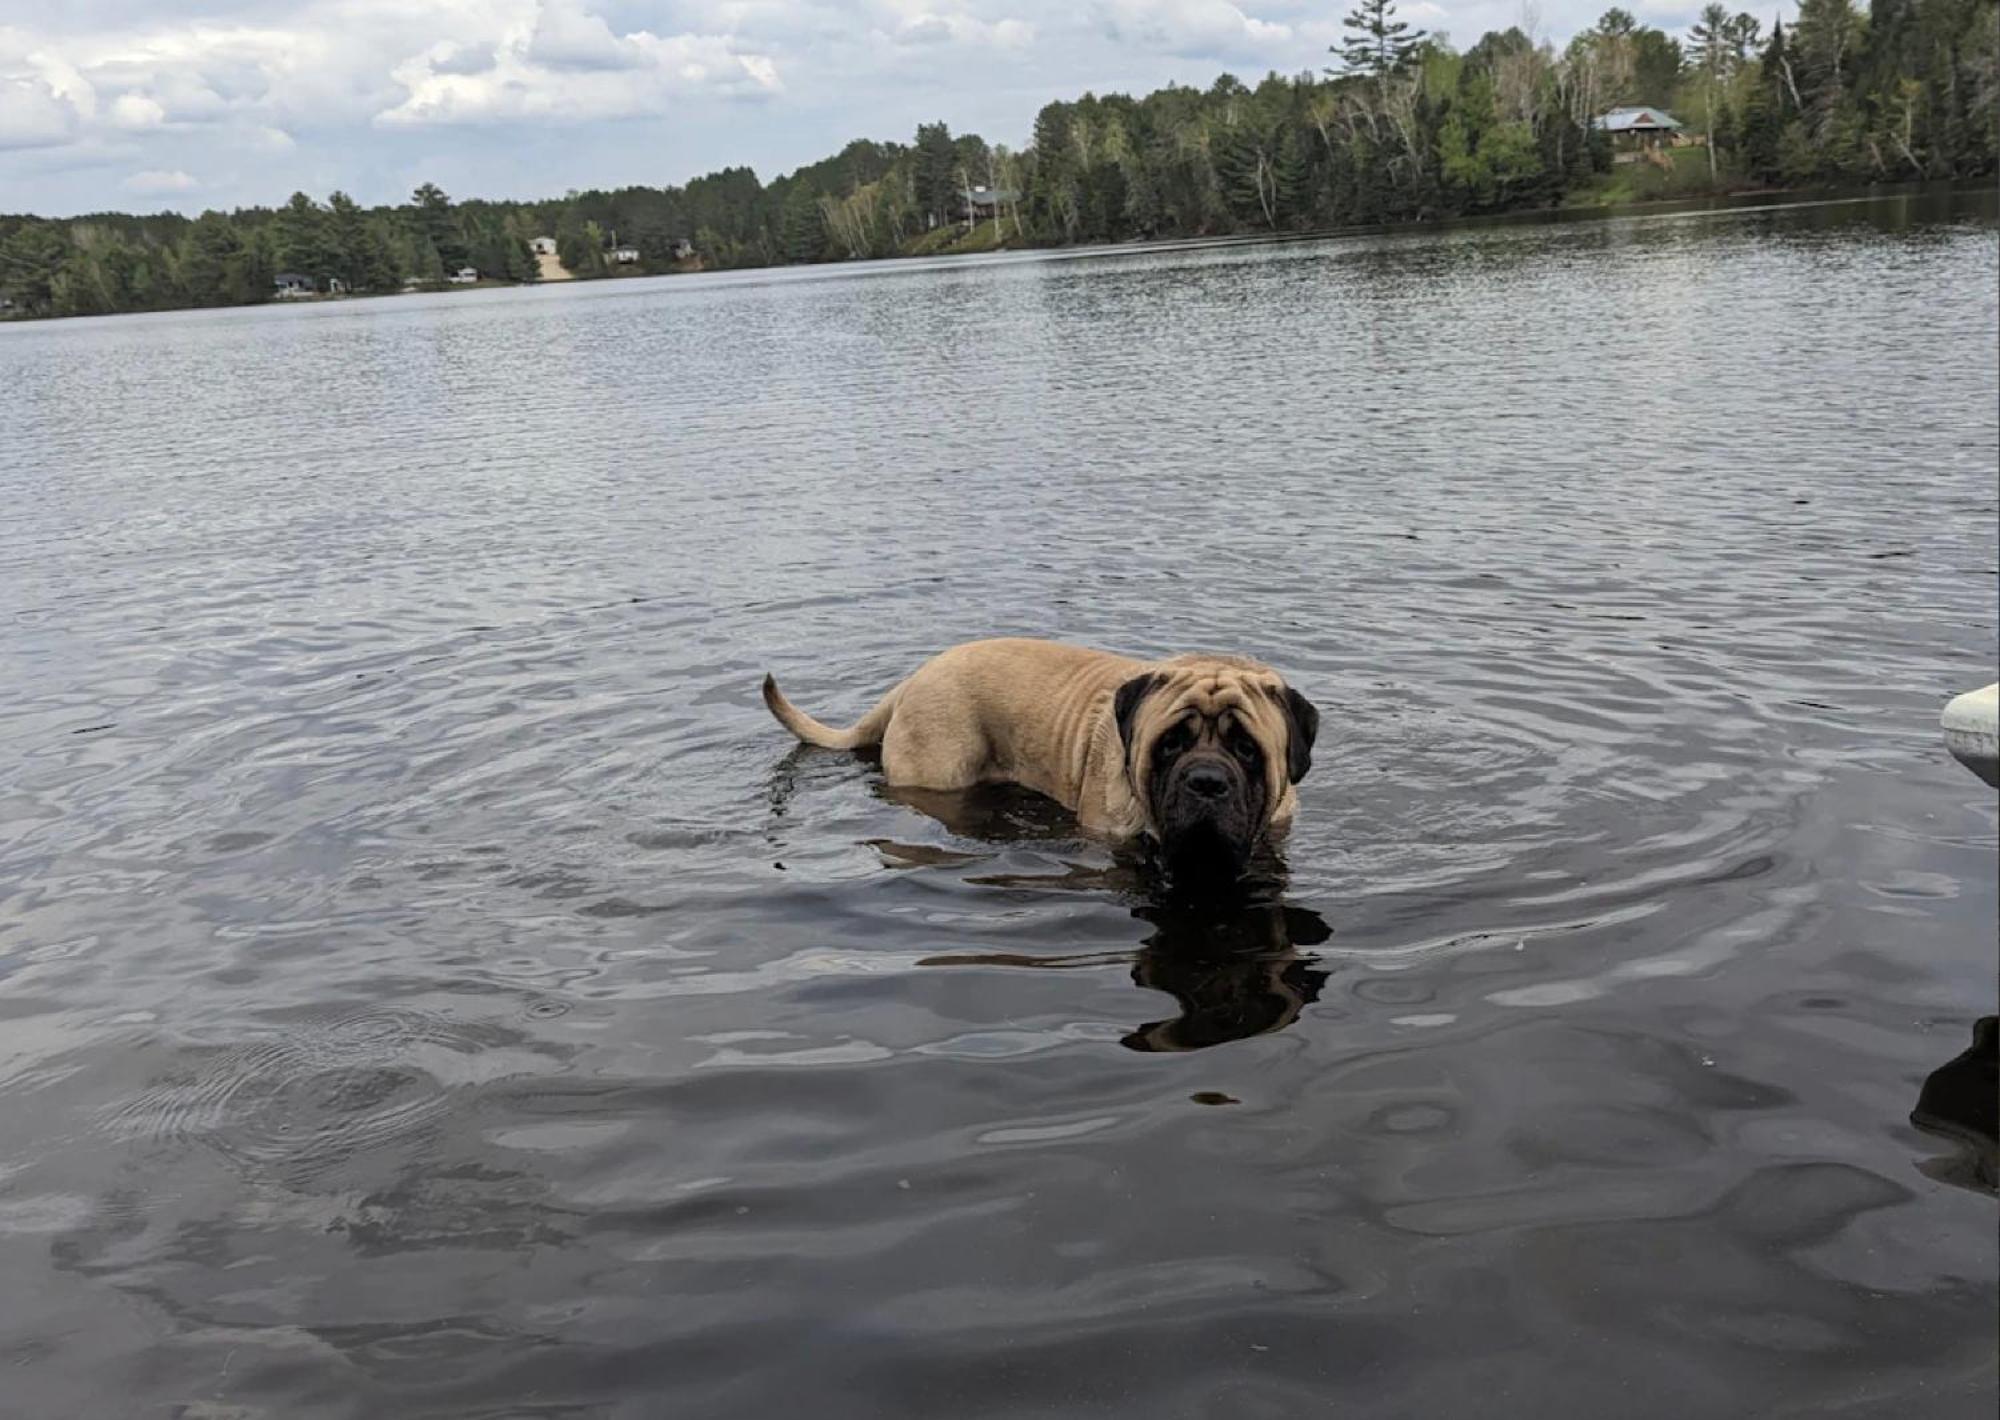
(954, 240)
(1630, 183)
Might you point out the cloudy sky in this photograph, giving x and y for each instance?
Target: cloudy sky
(148, 104)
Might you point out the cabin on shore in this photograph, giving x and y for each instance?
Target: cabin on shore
(544, 246)
(982, 203)
(290, 285)
(464, 276)
(623, 256)
(1637, 132)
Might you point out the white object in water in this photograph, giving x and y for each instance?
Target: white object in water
(1972, 731)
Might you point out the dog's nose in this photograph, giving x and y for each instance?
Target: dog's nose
(1207, 781)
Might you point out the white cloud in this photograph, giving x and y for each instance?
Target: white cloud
(448, 58)
(571, 66)
(153, 183)
(136, 111)
(63, 80)
(32, 117)
(566, 36)
(925, 27)
(395, 63)
(45, 101)
(1191, 27)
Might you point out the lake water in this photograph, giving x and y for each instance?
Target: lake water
(430, 984)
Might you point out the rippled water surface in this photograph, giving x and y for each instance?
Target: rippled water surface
(430, 985)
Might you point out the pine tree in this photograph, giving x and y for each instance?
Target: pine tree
(1742, 32)
(1379, 44)
(212, 246)
(1722, 132)
(804, 230)
(430, 264)
(1243, 172)
(936, 173)
(302, 241)
(347, 240)
(1712, 45)
(1293, 176)
(1757, 135)
(1713, 36)
(380, 267)
(431, 216)
(29, 261)
(1824, 40)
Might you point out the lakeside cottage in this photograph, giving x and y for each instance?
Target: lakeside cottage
(622, 256)
(290, 285)
(464, 276)
(1638, 132)
(544, 246)
(984, 202)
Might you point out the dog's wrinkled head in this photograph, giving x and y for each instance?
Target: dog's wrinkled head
(1213, 745)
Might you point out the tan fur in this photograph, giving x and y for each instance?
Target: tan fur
(1039, 714)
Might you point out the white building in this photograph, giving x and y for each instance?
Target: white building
(464, 276)
(544, 246)
(622, 256)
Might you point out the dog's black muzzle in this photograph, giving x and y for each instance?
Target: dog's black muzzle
(1208, 824)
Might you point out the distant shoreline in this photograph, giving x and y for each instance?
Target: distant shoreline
(1736, 198)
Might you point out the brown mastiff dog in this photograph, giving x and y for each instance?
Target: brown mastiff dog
(1198, 753)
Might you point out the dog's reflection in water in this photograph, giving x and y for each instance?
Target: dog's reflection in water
(1235, 973)
(1958, 1103)
(1234, 965)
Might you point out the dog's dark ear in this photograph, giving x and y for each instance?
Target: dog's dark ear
(1302, 728)
(1125, 705)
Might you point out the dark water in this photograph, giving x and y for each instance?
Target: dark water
(431, 986)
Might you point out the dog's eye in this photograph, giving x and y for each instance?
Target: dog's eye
(1176, 739)
(1243, 744)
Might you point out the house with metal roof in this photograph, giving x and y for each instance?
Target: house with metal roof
(1637, 131)
(983, 202)
(1638, 120)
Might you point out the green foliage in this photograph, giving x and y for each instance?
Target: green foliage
(1712, 36)
(579, 247)
(30, 259)
(431, 220)
(302, 234)
(1656, 67)
(803, 232)
(935, 173)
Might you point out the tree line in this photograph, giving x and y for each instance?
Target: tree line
(1401, 127)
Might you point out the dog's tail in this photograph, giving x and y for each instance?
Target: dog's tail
(865, 733)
